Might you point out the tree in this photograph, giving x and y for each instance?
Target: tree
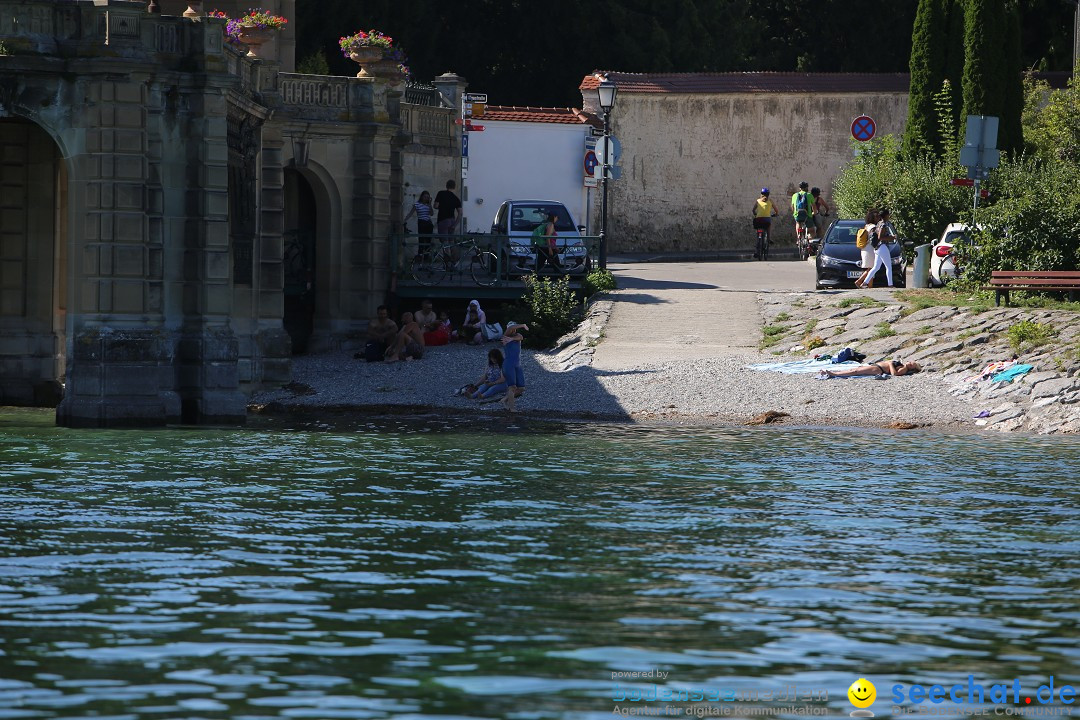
(1011, 131)
(927, 67)
(984, 38)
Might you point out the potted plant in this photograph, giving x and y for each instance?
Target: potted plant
(253, 29)
(366, 49)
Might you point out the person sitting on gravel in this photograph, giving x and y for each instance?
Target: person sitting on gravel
(885, 367)
(426, 317)
(409, 343)
(381, 332)
(441, 334)
(474, 319)
(492, 382)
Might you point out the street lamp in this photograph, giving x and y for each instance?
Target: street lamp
(606, 94)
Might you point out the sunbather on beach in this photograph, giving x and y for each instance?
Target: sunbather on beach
(885, 367)
(409, 344)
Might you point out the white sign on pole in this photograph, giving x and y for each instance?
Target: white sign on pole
(590, 165)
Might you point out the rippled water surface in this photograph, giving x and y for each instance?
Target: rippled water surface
(485, 571)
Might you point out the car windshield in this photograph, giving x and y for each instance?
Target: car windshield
(527, 217)
(845, 235)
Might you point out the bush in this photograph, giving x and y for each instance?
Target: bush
(1031, 334)
(598, 281)
(553, 307)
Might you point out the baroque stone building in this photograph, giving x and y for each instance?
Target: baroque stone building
(176, 217)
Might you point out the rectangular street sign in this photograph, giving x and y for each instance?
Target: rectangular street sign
(464, 145)
(474, 97)
(964, 182)
(981, 131)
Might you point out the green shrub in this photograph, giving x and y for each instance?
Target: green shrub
(1029, 334)
(553, 307)
(883, 330)
(598, 281)
(782, 317)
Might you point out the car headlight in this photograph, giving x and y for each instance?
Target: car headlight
(831, 261)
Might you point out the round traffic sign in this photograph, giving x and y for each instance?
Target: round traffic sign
(863, 128)
(590, 162)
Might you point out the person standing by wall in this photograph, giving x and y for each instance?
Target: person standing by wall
(448, 207)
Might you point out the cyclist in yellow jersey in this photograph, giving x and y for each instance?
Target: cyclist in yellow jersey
(764, 211)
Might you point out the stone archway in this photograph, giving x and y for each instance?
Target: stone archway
(311, 279)
(33, 265)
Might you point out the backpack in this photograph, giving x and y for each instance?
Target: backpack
(802, 207)
(862, 238)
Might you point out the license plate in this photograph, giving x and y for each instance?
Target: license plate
(854, 273)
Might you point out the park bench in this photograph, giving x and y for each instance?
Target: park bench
(1002, 281)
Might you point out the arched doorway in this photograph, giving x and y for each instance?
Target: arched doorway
(33, 265)
(301, 276)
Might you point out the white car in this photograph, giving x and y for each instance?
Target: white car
(516, 220)
(942, 261)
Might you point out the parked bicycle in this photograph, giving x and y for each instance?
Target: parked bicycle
(446, 257)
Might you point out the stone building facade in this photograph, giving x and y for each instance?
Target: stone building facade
(697, 148)
(176, 218)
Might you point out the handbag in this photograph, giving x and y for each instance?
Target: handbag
(491, 331)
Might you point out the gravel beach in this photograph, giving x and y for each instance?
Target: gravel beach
(720, 390)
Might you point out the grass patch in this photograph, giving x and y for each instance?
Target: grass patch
(810, 325)
(925, 330)
(883, 330)
(966, 334)
(782, 317)
(862, 300)
(772, 334)
(1027, 334)
(919, 299)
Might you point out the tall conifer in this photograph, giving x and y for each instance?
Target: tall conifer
(927, 67)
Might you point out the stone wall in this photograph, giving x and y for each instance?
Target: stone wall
(692, 164)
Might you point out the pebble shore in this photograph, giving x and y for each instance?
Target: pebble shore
(722, 390)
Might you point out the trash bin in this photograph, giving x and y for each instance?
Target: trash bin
(920, 275)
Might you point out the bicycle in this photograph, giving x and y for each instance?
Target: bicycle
(431, 267)
(761, 246)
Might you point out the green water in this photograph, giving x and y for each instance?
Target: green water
(450, 570)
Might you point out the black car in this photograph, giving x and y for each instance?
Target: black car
(838, 259)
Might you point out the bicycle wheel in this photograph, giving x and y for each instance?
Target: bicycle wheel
(759, 245)
(485, 268)
(429, 271)
(765, 248)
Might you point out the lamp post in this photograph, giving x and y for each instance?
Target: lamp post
(606, 94)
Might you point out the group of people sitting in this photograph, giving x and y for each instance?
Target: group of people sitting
(503, 373)
(389, 341)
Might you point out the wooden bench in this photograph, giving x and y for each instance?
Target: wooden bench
(1002, 281)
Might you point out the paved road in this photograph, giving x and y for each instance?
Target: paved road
(691, 310)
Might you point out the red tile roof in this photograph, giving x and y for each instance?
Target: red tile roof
(512, 113)
(750, 82)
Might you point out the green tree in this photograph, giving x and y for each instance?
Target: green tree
(927, 67)
(1011, 132)
(984, 38)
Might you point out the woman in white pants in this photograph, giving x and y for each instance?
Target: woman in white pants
(885, 235)
(867, 254)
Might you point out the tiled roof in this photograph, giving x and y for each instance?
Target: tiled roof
(512, 113)
(750, 82)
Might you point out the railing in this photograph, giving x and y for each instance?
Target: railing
(424, 122)
(411, 254)
(421, 94)
(314, 90)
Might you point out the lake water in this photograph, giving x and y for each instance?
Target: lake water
(449, 570)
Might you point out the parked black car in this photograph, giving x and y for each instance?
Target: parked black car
(838, 259)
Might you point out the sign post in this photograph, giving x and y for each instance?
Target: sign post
(979, 154)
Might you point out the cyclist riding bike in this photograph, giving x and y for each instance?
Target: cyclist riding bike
(764, 211)
(819, 210)
(800, 208)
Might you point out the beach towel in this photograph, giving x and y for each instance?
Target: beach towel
(1012, 373)
(798, 367)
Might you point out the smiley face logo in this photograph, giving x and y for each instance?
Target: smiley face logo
(862, 693)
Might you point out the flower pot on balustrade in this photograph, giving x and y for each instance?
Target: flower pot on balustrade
(255, 38)
(366, 56)
(194, 9)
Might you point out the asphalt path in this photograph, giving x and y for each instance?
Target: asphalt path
(669, 311)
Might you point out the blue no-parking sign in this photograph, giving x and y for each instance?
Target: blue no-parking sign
(863, 128)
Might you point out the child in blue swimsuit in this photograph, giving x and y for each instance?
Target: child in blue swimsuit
(512, 372)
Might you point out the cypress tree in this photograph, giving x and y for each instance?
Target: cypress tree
(954, 59)
(1011, 130)
(984, 41)
(927, 67)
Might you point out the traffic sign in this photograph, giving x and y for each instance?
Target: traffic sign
(474, 128)
(616, 150)
(590, 162)
(464, 145)
(474, 98)
(863, 128)
(964, 182)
